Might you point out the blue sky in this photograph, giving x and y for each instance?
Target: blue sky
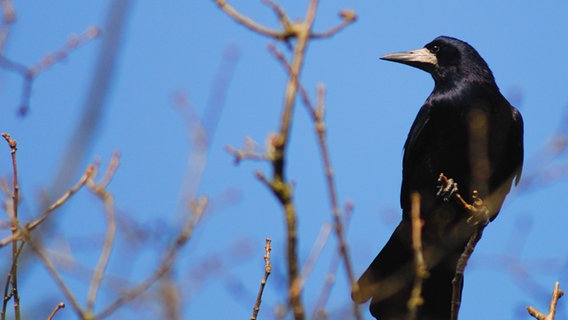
(174, 47)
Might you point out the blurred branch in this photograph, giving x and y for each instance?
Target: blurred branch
(556, 294)
(96, 97)
(250, 151)
(8, 18)
(29, 74)
(54, 274)
(548, 164)
(267, 271)
(99, 189)
(319, 311)
(421, 271)
(202, 129)
(197, 209)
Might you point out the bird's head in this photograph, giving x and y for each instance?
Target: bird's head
(447, 60)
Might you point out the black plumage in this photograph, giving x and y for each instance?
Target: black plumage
(469, 132)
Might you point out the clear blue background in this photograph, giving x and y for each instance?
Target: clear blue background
(178, 46)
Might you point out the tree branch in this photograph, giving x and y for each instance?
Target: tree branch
(556, 294)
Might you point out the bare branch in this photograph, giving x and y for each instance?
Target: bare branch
(319, 310)
(54, 274)
(348, 16)
(99, 189)
(59, 306)
(250, 151)
(58, 203)
(16, 246)
(197, 209)
(8, 18)
(248, 22)
(556, 294)
(29, 74)
(320, 127)
(267, 271)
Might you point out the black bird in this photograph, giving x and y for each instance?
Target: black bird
(469, 132)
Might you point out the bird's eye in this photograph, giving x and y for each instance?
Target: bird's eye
(434, 49)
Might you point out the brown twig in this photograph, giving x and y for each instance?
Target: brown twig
(248, 22)
(421, 271)
(197, 209)
(58, 203)
(267, 271)
(59, 306)
(347, 16)
(16, 246)
(556, 294)
(250, 151)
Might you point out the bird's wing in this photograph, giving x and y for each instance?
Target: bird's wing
(411, 150)
(515, 144)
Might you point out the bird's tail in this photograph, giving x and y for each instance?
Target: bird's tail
(388, 281)
(388, 278)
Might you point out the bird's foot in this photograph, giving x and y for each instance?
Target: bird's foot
(446, 188)
(479, 212)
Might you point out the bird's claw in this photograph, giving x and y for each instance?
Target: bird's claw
(447, 188)
(479, 212)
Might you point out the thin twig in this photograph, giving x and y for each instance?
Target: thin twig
(248, 22)
(303, 92)
(58, 203)
(73, 43)
(59, 306)
(421, 272)
(16, 246)
(556, 294)
(267, 271)
(348, 17)
(250, 151)
(315, 252)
